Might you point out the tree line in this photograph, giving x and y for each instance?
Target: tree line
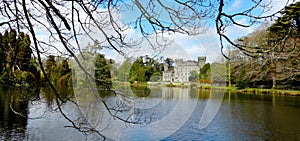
(18, 66)
(16, 63)
(272, 56)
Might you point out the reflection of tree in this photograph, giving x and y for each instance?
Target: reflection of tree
(203, 94)
(66, 93)
(14, 113)
(140, 91)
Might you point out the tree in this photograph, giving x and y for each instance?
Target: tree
(225, 20)
(145, 69)
(24, 53)
(50, 65)
(63, 24)
(170, 63)
(243, 80)
(16, 61)
(102, 72)
(58, 73)
(238, 61)
(275, 50)
(289, 23)
(205, 71)
(65, 74)
(123, 71)
(138, 71)
(193, 75)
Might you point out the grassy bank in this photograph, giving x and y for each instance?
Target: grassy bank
(218, 87)
(269, 91)
(255, 90)
(232, 89)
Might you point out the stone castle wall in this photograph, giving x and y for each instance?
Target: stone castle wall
(182, 70)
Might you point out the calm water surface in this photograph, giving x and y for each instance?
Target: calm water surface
(240, 116)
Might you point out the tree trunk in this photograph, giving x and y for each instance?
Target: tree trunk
(274, 83)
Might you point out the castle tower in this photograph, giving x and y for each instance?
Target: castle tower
(201, 61)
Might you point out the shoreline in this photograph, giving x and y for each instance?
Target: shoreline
(255, 90)
(226, 88)
(231, 89)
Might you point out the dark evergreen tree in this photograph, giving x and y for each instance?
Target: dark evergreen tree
(24, 52)
(242, 80)
(289, 22)
(15, 59)
(102, 71)
(170, 63)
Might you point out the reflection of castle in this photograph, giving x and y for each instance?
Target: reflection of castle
(182, 69)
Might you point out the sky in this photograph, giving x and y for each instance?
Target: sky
(205, 44)
(180, 45)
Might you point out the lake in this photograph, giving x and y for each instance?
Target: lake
(161, 113)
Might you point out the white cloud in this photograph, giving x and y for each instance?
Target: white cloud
(236, 5)
(181, 46)
(237, 31)
(276, 5)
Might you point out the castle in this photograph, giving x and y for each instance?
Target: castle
(182, 69)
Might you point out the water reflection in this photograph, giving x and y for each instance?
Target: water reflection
(164, 109)
(165, 113)
(14, 112)
(65, 93)
(20, 106)
(246, 117)
(140, 91)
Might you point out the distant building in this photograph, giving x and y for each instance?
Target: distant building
(182, 69)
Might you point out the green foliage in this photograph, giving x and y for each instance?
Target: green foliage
(58, 73)
(243, 80)
(194, 76)
(64, 67)
(276, 61)
(155, 77)
(16, 65)
(205, 71)
(50, 65)
(144, 69)
(123, 71)
(24, 55)
(102, 71)
(137, 71)
(170, 63)
(290, 19)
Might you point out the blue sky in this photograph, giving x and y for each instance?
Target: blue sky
(183, 46)
(206, 44)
